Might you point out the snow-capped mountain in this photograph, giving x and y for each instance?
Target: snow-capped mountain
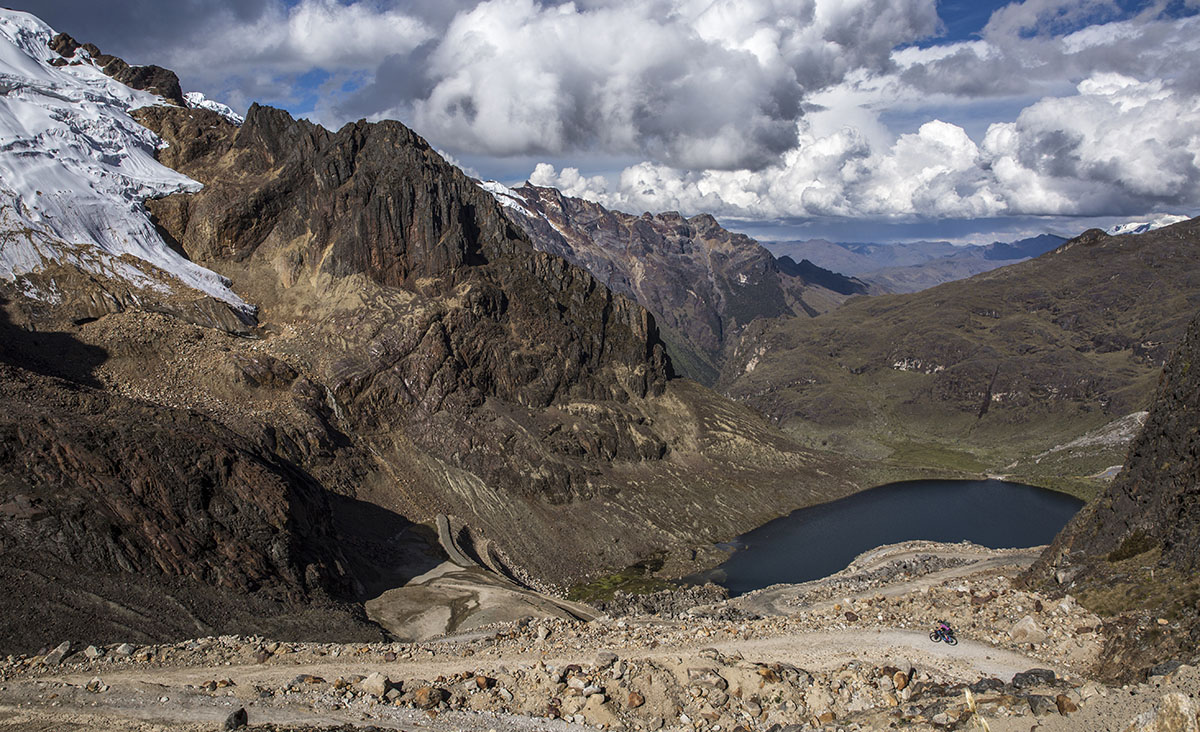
(75, 170)
(1141, 227)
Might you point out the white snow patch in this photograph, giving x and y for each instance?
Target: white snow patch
(505, 196)
(196, 100)
(1141, 227)
(76, 169)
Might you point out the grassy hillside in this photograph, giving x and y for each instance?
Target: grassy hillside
(998, 373)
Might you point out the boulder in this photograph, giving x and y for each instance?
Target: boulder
(1174, 713)
(376, 685)
(55, 657)
(428, 697)
(236, 720)
(1042, 705)
(1034, 677)
(1026, 630)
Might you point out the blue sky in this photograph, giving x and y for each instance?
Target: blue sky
(862, 119)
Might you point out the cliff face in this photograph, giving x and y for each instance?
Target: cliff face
(1136, 548)
(375, 200)
(702, 283)
(149, 509)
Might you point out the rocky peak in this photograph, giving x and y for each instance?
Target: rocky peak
(154, 79)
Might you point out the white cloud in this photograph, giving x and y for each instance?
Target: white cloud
(714, 85)
(1117, 146)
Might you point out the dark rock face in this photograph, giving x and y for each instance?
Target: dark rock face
(112, 507)
(374, 200)
(154, 79)
(1141, 537)
(1155, 502)
(702, 283)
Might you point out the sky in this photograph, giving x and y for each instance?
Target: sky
(852, 120)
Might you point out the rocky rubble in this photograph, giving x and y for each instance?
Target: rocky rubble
(718, 691)
(694, 670)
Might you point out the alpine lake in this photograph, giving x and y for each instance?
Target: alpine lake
(818, 541)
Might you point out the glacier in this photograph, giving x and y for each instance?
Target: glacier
(76, 170)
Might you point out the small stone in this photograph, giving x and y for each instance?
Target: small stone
(707, 677)
(236, 720)
(1065, 705)
(428, 697)
(96, 686)
(635, 700)
(262, 656)
(825, 717)
(484, 682)
(604, 659)
(303, 679)
(93, 652)
(592, 690)
(393, 695)
(124, 650)
(1162, 621)
(55, 657)
(543, 633)
(389, 656)
(1042, 705)
(505, 694)
(900, 680)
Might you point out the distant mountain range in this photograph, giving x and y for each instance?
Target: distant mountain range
(913, 266)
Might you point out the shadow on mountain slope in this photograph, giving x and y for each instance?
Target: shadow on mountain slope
(50, 353)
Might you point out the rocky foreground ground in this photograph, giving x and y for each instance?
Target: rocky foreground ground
(850, 652)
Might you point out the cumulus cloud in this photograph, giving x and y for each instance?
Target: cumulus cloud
(749, 108)
(1117, 146)
(714, 85)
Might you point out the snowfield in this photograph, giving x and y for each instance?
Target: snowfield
(75, 170)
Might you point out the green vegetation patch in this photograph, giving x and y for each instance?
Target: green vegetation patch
(1136, 543)
(932, 455)
(1139, 583)
(637, 579)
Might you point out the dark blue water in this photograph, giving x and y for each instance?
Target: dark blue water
(816, 542)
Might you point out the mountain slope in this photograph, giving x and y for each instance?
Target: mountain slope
(413, 358)
(454, 368)
(1136, 548)
(702, 283)
(990, 373)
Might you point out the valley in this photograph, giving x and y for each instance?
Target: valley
(315, 425)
